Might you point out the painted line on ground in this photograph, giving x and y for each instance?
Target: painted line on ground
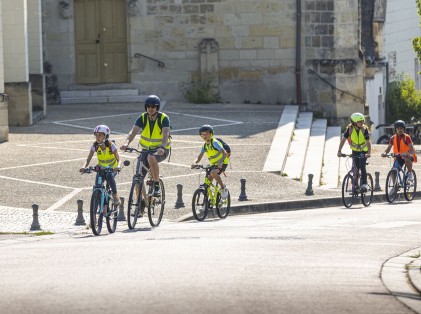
(63, 200)
(43, 164)
(37, 182)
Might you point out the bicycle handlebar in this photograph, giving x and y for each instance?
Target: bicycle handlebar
(141, 152)
(201, 167)
(97, 169)
(392, 155)
(350, 155)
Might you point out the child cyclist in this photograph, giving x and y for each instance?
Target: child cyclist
(216, 154)
(107, 155)
(402, 145)
(358, 137)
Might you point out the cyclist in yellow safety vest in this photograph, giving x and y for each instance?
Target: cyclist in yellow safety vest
(155, 136)
(107, 155)
(216, 154)
(358, 137)
(402, 144)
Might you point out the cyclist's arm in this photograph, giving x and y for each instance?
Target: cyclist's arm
(117, 157)
(165, 135)
(388, 148)
(198, 159)
(88, 160)
(369, 148)
(411, 149)
(132, 134)
(341, 144)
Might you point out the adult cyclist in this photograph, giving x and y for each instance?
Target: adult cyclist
(155, 135)
(402, 145)
(358, 137)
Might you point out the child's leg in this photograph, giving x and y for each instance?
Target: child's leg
(113, 186)
(217, 177)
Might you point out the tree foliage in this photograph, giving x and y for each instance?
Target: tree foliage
(404, 100)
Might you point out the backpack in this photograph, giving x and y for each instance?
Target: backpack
(224, 145)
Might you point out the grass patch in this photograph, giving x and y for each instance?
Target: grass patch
(40, 233)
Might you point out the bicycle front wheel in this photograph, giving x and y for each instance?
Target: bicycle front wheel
(367, 197)
(410, 187)
(223, 205)
(348, 192)
(95, 213)
(391, 185)
(156, 207)
(200, 204)
(134, 204)
(111, 216)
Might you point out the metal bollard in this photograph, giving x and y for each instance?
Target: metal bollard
(377, 183)
(309, 190)
(35, 223)
(80, 220)
(243, 196)
(121, 216)
(179, 203)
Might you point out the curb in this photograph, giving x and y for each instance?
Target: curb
(289, 205)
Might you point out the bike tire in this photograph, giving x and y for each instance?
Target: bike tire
(391, 186)
(95, 213)
(348, 194)
(223, 206)
(367, 197)
(410, 187)
(111, 217)
(200, 204)
(156, 207)
(134, 204)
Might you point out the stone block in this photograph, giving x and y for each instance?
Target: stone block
(250, 75)
(252, 42)
(20, 103)
(271, 42)
(248, 54)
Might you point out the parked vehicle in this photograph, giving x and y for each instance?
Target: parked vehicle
(414, 130)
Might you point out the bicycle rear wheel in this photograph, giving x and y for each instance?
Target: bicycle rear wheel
(367, 197)
(111, 216)
(410, 187)
(223, 205)
(391, 185)
(156, 207)
(95, 213)
(347, 191)
(200, 204)
(134, 203)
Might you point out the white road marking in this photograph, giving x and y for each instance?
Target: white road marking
(393, 224)
(36, 182)
(43, 164)
(63, 200)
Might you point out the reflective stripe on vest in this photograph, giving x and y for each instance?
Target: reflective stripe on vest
(152, 140)
(215, 156)
(358, 142)
(107, 158)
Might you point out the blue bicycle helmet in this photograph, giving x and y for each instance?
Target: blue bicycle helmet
(153, 100)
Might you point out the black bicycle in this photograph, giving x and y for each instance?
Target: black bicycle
(138, 199)
(209, 196)
(397, 178)
(102, 202)
(351, 185)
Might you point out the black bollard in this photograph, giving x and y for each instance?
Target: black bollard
(377, 184)
(309, 190)
(121, 216)
(243, 196)
(179, 203)
(35, 223)
(80, 220)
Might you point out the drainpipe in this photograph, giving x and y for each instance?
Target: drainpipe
(386, 105)
(298, 55)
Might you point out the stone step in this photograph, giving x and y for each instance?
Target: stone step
(275, 160)
(297, 151)
(104, 99)
(330, 171)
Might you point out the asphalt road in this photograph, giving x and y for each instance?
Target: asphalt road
(326, 260)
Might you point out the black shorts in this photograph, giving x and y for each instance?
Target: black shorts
(222, 169)
(158, 158)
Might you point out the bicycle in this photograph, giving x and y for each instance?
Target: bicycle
(137, 202)
(208, 196)
(351, 185)
(393, 186)
(101, 200)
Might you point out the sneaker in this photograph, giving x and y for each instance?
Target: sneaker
(116, 200)
(224, 193)
(364, 188)
(157, 191)
(410, 176)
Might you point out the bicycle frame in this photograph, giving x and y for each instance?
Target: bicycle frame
(212, 190)
(104, 190)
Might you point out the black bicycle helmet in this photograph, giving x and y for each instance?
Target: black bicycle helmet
(206, 128)
(400, 123)
(153, 100)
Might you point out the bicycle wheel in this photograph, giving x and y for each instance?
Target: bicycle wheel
(95, 213)
(410, 187)
(134, 203)
(111, 216)
(200, 204)
(391, 185)
(347, 191)
(156, 207)
(223, 205)
(367, 197)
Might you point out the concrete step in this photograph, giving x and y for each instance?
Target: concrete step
(275, 160)
(330, 171)
(314, 158)
(297, 151)
(101, 96)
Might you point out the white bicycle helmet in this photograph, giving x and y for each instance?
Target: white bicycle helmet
(102, 129)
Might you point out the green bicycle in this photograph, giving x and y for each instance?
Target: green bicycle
(209, 196)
